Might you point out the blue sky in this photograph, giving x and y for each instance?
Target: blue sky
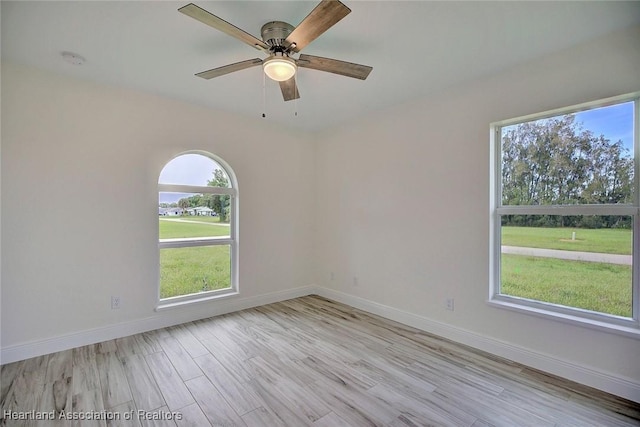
(614, 122)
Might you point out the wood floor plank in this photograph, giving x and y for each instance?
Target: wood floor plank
(233, 340)
(441, 375)
(236, 367)
(84, 354)
(420, 411)
(175, 392)
(483, 423)
(354, 405)
(555, 410)
(62, 395)
(58, 391)
(87, 393)
(331, 420)
(8, 373)
(278, 345)
(29, 388)
(113, 380)
(261, 417)
(498, 412)
(280, 406)
(213, 403)
(199, 329)
(375, 368)
(148, 342)
(59, 366)
(156, 419)
(318, 345)
(181, 360)
(34, 370)
(308, 361)
(328, 369)
(241, 397)
(191, 416)
(143, 386)
(584, 394)
(188, 341)
(128, 346)
(107, 346)
(295, 395)
(56, 397)
(121, 417)
(23, 397)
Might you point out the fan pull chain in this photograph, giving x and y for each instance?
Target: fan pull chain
(297, 95)
(264, 96)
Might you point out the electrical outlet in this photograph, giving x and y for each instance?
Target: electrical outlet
(115, 303)
(449, 304)
(355, 281)
(333, 276)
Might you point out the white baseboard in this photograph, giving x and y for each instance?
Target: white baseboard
(159, 320)
(589, 376)
(582, 374)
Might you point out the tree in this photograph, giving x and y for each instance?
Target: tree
(557, 162)
(183, 204)
(220, 203)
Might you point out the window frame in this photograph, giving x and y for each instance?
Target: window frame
(231, 241)
(602, 321)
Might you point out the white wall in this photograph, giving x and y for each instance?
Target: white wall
(80, 164)
(403, 205)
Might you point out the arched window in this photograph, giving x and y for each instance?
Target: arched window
(197, 219)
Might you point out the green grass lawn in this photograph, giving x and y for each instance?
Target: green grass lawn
(193, 228)
(611, 241)
(185, 271)
(600, 287)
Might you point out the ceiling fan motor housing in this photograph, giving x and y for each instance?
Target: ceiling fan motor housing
(275, 32)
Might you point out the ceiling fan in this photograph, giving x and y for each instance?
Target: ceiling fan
(280, 41)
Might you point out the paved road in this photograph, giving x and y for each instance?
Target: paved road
(572, 255)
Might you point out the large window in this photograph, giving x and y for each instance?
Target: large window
(565, 219)
(197, 212)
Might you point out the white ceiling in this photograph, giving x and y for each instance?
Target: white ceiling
(415, 48)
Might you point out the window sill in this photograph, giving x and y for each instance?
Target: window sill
(632, 331)
(177, 302)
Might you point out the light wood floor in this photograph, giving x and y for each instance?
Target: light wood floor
(307, 361)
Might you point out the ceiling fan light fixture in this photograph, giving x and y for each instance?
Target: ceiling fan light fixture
(279, 67)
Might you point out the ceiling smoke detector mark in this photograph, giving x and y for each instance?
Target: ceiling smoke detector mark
(72, 58)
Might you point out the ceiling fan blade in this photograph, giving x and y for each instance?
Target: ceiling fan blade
(322, 17)
(212, 20)
(221, 71)
(289, 89)
(335, 66)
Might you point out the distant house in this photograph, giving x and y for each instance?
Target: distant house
(205, 211)
(169, 211)
(201, 211)
(197, 211)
